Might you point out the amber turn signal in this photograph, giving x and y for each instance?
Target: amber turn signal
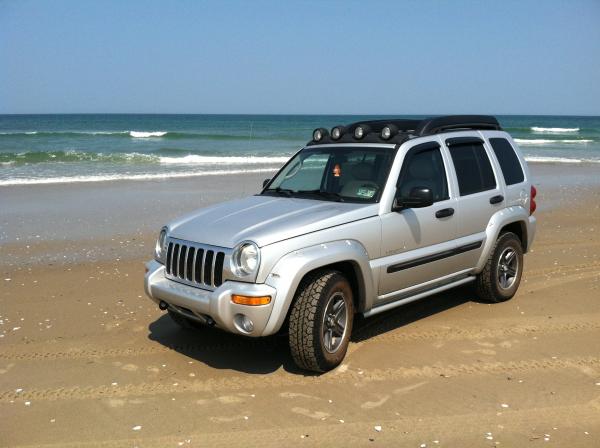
(251, 301)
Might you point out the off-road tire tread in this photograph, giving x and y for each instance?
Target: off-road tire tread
(485, 281)
(304, 346)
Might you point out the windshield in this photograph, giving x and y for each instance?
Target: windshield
(346, 174)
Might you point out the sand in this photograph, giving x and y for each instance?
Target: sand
(87, 360)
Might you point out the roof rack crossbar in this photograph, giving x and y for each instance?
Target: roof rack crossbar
(454, 122)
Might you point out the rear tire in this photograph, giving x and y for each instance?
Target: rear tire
(502, 273)
(321, 321)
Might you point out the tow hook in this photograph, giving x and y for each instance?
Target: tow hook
(163, 305)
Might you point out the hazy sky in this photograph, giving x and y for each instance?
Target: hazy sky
(354, 57)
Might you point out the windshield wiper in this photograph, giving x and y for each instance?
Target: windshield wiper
(283, 191)
(325, 194)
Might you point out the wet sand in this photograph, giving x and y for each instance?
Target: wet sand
(87, 360)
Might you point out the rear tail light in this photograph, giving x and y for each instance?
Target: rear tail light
(532, 204)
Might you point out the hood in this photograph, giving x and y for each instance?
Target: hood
(265, 220)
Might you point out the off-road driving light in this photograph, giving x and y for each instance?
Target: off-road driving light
(388, 131)
(337, 132)
(360, 132)
(250, 301)
(319, 134)
(245, 259)
(160, 250)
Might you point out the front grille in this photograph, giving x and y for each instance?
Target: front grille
(195, 264)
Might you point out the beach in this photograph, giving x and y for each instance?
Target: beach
(86, 359)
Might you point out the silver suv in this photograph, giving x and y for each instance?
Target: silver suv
(364, 218)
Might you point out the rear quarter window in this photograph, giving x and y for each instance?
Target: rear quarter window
(508, 160)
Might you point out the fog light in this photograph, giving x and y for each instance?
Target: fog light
(247, 324)
(244, 323)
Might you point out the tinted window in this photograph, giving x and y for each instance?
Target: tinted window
(473, 168)
(424, 168)
(334, 174)
(509, 162)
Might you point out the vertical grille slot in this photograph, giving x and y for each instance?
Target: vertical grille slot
(198, 266)
(208, 267)
(218, 273)
(169, 257)
(175, 261)
(181, 261)
(189, 263)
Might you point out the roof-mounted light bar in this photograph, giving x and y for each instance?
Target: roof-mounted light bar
(337, 132)
(388, 131)
(361, 130)
(319, 134)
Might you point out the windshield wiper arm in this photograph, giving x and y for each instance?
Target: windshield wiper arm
(284, 191)
(325, 194)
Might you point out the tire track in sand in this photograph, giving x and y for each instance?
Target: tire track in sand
(288, 380)
(370, 332)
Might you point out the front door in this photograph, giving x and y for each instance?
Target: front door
(414, 238)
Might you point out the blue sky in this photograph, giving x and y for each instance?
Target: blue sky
(313, 57)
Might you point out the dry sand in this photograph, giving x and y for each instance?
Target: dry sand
(87, 360)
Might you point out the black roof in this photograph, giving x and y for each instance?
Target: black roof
(412, 128)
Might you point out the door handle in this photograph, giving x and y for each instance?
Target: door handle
(444, 213)
(496, 199)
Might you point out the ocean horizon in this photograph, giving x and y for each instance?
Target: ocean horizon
(67, 148)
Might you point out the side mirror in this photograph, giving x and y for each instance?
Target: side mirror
(419, 197)
(265, 182)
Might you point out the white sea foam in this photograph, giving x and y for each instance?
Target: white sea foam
(141, 134)
(117, 177)
(536, 159)
(554, 130)
(542, 141)
(215, 160)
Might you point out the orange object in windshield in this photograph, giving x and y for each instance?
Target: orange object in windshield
(337, 170)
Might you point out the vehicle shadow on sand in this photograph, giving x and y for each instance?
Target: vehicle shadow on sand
(222, 350)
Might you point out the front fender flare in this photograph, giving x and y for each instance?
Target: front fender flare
(291, 268)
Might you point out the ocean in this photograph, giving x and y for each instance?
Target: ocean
(46, 149)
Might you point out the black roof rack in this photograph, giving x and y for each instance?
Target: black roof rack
(456, 122)
(407, 128)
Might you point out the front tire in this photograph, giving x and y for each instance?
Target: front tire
(321, 321)
(502, 273)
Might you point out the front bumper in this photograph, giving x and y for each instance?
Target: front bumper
(215, 304)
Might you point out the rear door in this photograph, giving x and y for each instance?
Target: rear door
(480, 194)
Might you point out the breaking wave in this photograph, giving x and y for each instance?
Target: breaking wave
(541, 141)
(134, 177)
(554, 130)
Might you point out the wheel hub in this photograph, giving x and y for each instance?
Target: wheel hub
(335, 322)
(508, 266)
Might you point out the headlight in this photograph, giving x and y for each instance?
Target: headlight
(245, 259)
(160, 250)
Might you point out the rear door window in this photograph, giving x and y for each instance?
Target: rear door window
(473, 168)
(508, 160)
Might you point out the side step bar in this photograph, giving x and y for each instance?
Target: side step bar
(391, 305)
